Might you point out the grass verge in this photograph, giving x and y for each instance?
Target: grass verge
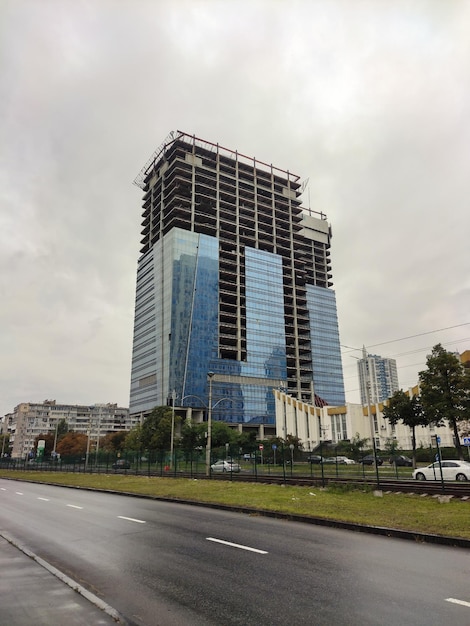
(400, 511)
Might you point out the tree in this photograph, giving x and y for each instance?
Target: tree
(62, 428)
(5, 444)
(114, 442)
(72, 444)
(408, 410)
(221, 433)
(133, 439)
(156, 429)
(49, 439)
(356, 447)
(445, 391)
(193, 436)
(391, 447)
(246, 441)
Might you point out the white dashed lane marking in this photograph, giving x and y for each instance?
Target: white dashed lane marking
(74, 506)
(461, 602)
(131, 519)
(236, 545)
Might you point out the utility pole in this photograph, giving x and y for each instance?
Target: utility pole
(210, 375)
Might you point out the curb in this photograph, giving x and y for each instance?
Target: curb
(74, 585)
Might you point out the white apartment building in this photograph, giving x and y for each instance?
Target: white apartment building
(30, 419)
(378, 378)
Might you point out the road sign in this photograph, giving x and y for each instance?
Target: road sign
(438, 439)
(261, 446)
(466, 441)
(274, 447)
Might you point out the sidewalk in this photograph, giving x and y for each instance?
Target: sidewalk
(31, 595)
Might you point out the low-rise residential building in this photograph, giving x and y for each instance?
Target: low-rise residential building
(313, 424)
(30, 419)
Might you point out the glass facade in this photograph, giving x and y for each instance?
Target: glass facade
(326, 356)
(194, 300)
(177, 326)
(265, 333)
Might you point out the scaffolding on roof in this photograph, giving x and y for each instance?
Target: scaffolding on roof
(212, 147)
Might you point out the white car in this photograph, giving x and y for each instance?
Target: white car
(340, 460)
(225, 466)
(343, 460)
(451, 470)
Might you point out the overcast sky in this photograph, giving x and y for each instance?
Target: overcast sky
(368, 100)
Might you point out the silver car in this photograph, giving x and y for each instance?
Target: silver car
(451, 470)
(225, 466)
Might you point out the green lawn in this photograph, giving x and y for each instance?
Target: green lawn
(400, 511)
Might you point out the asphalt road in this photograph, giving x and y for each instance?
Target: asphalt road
(164, 564)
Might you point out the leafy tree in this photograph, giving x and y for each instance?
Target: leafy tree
(408, 410)
(445, 391)
(246, 441)
(156, 429)
(192, 436)
(5, 443)
(391, 447)
(221, 433)
(114, 442)
(72, 444)
(49, 439)
(356, 447)
(133, 439)
(62, 428)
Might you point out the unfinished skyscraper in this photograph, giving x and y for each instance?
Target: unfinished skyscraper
(234, 279)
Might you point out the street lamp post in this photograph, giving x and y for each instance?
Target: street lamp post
(372, 429)
(173, 400)
(87, 449)
(98, 440)
(210, 376)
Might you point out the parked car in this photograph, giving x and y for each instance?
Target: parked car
(315, 459)
(344, 460)
(369, 459)
(451, 470)
(341, 460)
(121, 464)
(225, 466)
(401, 461)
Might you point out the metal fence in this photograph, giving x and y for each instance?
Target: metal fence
(192, 463)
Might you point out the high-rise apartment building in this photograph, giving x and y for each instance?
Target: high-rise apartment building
(30, 419)
(234, 279)
(377, 374)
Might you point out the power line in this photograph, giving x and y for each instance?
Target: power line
(429, 332)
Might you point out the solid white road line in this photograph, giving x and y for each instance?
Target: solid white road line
(45, 499)
(73, 506)
(236, 545)
(461, 602)
(131, 519)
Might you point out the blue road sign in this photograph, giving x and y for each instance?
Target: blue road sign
(466, 441)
